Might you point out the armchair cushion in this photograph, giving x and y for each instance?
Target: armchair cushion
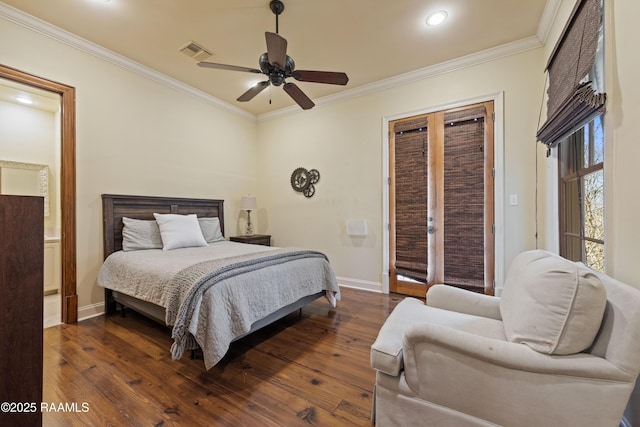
(551, 304)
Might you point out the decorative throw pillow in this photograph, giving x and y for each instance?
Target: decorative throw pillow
(179, 231)
(553, 305)
(140, 234)
(211, 229)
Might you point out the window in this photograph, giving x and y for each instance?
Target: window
(581, 161)
(575, 107)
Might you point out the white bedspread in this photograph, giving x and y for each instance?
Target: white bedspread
(146, 274)
(227, 309)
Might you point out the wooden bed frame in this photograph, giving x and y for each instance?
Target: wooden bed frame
(114, 207)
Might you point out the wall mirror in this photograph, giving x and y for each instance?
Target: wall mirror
(25, 179)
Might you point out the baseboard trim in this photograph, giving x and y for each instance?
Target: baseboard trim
(364, 285)
(89, 311)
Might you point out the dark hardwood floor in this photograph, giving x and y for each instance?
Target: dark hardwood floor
(311, 369)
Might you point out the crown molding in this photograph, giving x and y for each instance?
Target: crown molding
(473, 59)
(548, 18)
(35, 24)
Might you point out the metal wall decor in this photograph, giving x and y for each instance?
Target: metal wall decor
(303, 181)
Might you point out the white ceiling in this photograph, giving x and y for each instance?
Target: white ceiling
(370, 40)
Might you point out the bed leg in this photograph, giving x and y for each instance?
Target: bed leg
(122, 311)
(110, 304)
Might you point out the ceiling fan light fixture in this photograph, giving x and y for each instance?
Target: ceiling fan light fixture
(436, 18)
(277, 66)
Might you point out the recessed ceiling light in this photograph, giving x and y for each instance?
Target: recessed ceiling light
(436, 18)
(24, 100)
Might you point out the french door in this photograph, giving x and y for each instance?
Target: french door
(441, 200)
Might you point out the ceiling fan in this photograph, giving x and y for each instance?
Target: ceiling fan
(278, 66)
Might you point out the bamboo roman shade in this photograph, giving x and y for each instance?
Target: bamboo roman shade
(572, 102)
(411, 182)
(464, 199)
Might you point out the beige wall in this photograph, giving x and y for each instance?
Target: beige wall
(623, 141)
(28, 135)
(622, 133)
(344, 141)
(136, 136)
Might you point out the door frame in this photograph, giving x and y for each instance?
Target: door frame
(69, 298)
(498, 162)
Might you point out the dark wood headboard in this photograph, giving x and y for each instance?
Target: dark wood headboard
(114, 207)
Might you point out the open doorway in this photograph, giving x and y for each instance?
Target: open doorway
(30, 166)
(67, 185)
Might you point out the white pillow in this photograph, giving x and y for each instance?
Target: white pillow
(551, 304)
(211, 229)
(179, 231)
(140, 234)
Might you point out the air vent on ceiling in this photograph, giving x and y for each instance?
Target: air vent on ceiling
(195, 51)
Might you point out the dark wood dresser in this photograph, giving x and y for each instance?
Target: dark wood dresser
(22, 288)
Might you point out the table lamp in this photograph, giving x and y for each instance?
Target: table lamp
(248, 203)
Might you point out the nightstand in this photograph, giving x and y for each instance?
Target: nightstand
(255, 239)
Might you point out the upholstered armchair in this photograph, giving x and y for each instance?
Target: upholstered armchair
(561, 347)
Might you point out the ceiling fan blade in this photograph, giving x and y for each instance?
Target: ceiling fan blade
(298, 95)
(255, 89)
(228, 67)
(321, 77)
(276, 49)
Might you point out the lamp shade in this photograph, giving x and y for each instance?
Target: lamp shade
(248, 203)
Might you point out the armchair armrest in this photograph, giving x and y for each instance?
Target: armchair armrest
(504, 354)
(462, 301)
(424, 340)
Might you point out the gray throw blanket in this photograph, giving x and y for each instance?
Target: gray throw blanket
(190, 284)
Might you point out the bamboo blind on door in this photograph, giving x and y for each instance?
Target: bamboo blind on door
(411, 180)
(464, 204)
